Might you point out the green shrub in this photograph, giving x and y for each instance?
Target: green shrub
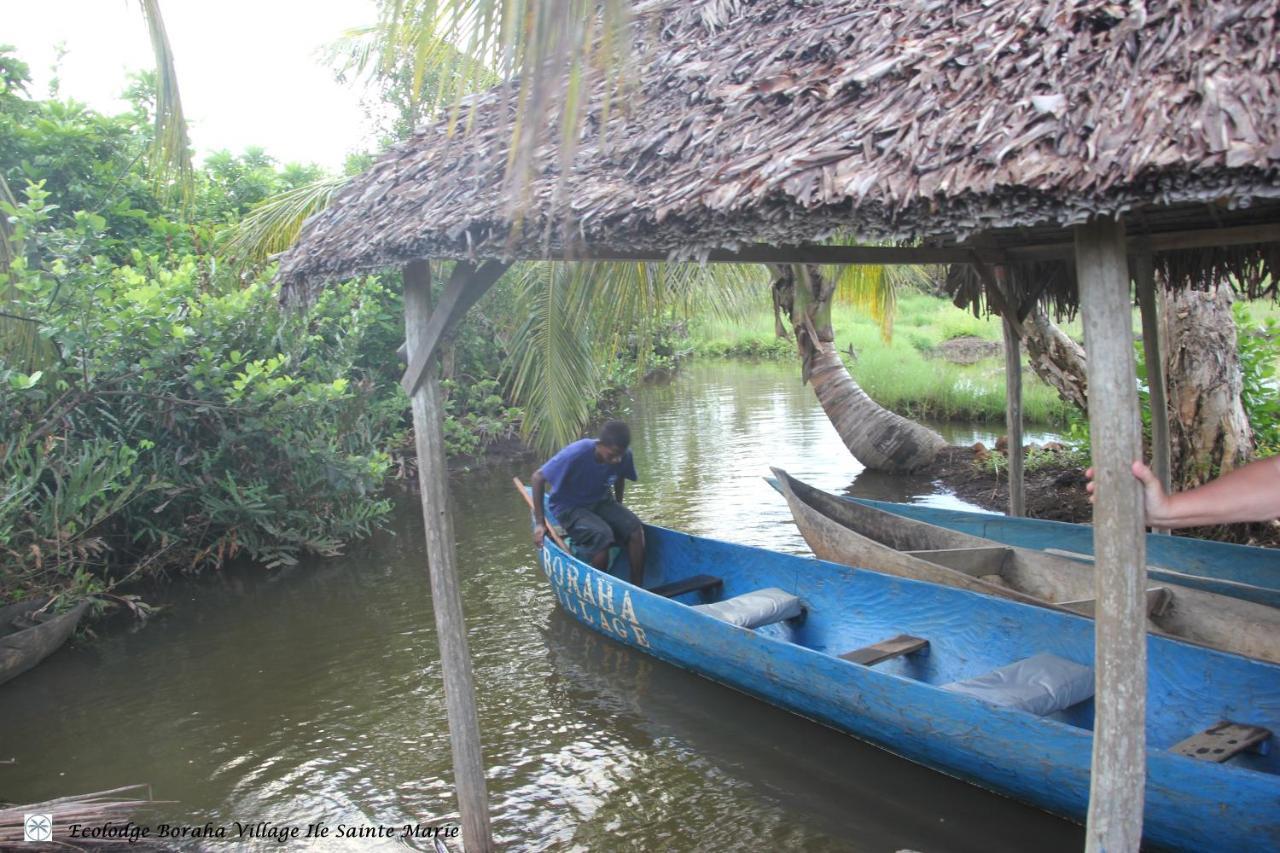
(183, 422)
(1259, 346)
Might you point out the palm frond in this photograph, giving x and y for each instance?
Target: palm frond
(552, 370)
(868, 288)
(171, 152)
(557, 51)
(580, 316)
(273, 225)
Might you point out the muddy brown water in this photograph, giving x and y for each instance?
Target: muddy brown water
(312, 695)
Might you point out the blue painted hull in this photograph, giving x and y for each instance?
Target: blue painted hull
(899, 705)
(1236, 570)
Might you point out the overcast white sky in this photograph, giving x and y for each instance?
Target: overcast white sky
(248, 69)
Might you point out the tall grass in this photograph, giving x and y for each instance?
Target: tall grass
(900, 373)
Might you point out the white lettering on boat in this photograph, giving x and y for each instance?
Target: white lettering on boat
(594, 603)
(604, 592)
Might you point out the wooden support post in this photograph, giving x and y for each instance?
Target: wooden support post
(1157, 387)
(465, 287)
(1013, 417)
(446, 598)
(1120, 636)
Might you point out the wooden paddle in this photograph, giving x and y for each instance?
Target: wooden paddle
(555, 537)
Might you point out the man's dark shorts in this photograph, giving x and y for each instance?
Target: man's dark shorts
(594, 528)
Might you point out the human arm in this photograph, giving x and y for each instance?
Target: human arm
(1251, 493)
(539, 485)
(626, 471)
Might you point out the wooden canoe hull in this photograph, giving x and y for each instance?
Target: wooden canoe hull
(898, 705)
(855, 534)
(22, 649)
(1240, 571)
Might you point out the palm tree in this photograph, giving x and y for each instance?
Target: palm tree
(878, 438)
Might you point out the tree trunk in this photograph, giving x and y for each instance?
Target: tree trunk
(1056, 359)
(1209, 430)
(878, 438)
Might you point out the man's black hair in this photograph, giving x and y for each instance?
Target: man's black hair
(615, 434)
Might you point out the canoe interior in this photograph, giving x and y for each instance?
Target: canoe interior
(1189, 688)
(855, 534)
(1257, 569)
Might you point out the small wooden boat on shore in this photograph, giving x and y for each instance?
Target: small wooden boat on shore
(987, 690)
(1240, 571)
(28, 635)
(855, 534)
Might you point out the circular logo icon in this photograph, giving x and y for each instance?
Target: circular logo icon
(37, 827)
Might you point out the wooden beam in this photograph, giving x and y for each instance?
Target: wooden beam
(1013, 417)
(1154, 243)
(890, 255)
(1118, 777)
(465, 287)
(446, 598)
(1158, 394)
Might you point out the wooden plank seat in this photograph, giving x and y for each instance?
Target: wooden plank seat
(978, 561)
(697, 583)
(903, 644)
(1158, 600)
(1222, 741)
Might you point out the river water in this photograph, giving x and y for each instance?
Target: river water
(312, 695)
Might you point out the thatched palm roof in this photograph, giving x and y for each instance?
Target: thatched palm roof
(782, 121)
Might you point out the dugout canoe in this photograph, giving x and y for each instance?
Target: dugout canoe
(28, 635)
(988, 690)
(855, 534)
(1240, 571)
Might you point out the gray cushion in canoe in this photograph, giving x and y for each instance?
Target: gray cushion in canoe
(753, 609)
(1041, 684)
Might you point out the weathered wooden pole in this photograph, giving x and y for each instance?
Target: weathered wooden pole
(446, 598)
(1157, 387)
(1013, 417)
(1120, 637)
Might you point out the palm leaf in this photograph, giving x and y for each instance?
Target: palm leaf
(171, 152)
(557, 51)
(551, 368)
(273, 225)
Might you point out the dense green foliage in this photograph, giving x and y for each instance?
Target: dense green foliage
(182, 420)
(1259, 347)
(158, 409)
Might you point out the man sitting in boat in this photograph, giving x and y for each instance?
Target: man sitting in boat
(587, 480)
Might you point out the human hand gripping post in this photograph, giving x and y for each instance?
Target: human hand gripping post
(1249, 493)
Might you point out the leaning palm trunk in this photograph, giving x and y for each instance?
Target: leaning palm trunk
(1056, 359)
(878, 438)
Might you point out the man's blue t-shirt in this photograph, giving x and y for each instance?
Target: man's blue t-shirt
(577, 479)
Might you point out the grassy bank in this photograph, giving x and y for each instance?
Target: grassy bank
(902, 373)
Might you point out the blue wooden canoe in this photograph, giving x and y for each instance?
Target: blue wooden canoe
(1240, 571)
(922, 703)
